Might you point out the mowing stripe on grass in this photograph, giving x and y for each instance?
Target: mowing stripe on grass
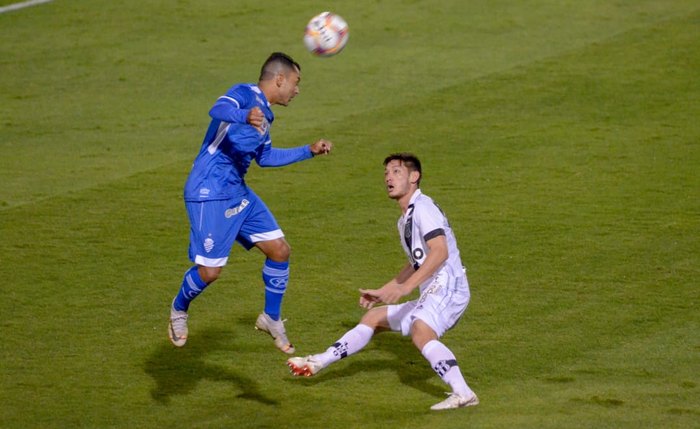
(16, 6)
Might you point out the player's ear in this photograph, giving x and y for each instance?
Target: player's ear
(279, 80)
(414, 177)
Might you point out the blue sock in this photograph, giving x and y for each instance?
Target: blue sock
(275, 275)
(192, 285)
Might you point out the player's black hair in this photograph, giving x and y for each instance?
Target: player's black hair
(274, 62)
(408, 159)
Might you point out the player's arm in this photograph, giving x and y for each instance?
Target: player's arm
(276, 157)
(436, 257)
(394, 290)
(406, 272)
(231, 108)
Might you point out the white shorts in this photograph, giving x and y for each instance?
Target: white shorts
(440, 305)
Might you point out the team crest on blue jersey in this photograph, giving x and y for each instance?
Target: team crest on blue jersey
(265, 126)
(208, 244)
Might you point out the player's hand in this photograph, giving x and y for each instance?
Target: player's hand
(256, 118)
(390, 293)
(321, 147)
(367, 301)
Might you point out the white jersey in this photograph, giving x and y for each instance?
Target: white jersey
(422, 221)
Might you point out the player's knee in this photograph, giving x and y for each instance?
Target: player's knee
(276, 250)
(422, 334)
(375, 319)
(285, 251)
(280, 252)
(209, 274)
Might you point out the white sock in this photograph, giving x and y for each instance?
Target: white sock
(443, 362)
(352, 342)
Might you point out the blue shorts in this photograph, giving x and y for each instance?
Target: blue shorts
(216, 225)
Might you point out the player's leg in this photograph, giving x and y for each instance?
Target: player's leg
(439, 311)
(195, 280)
(444, 363)
(275, 274)
(350, 343)
(260, 229)
(211, 238)
(356, 338)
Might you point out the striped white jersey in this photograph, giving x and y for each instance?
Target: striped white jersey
(422, 221)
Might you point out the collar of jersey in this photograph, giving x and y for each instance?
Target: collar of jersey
(258, 91)
(415, 195)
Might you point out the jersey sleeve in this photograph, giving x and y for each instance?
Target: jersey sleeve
(232, 107)
(275, 157)
(430, 220)
(244, 138)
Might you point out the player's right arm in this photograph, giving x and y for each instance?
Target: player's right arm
(231, 108)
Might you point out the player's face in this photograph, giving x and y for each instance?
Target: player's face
(289, 87)
(397, 179)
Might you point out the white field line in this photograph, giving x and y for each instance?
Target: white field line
(22, 5)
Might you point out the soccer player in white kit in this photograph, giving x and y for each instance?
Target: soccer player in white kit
(434, 267)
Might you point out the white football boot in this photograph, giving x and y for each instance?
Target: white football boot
(306, 366)
(276, 330)
(177, 328)
(456, 400)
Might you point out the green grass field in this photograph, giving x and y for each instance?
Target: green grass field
(562, 138)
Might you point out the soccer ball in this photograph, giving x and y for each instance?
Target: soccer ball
(326, 34)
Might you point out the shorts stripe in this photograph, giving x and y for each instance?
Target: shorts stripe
(266, 236)
(210, 262)
(201, 216)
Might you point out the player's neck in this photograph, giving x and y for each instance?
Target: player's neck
(406, 199)
(267, 90)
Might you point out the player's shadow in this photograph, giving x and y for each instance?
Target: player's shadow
(178, 371)
(408, 363)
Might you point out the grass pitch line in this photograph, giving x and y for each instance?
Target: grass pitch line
(16, 6)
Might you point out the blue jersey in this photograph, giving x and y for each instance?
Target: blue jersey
(231, 144)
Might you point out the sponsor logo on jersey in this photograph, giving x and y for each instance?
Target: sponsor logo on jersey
(233, 211)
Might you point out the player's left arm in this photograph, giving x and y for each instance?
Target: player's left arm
(278, 157)
(394, 290)
(406, 272)
(437, 255)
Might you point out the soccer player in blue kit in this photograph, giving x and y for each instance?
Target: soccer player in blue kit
(222, 209)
